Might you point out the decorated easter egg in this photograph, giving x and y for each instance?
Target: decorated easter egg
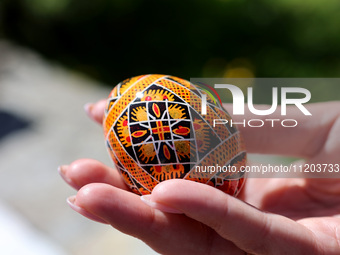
(156, 129)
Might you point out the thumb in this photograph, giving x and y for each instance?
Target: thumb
(251, 230)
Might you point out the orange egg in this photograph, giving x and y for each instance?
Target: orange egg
(155, 131)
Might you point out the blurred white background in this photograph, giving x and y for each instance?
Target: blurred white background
(43, 125)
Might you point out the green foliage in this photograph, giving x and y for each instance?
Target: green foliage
(111, 40)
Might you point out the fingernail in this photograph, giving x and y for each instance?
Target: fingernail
(71, 202)
(62, 171)
(88, 109)
(164, 208)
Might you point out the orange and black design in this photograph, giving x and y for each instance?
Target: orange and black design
(155, 132)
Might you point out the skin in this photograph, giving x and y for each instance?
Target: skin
(270, 216)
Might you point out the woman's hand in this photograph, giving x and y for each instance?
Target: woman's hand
(270, 216)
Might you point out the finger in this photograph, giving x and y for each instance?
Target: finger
(84, 171)
(329, 151)
(305, 140)
(164, 232)
(250, 229)
(96, 110)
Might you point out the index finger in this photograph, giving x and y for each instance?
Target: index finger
(96, 110)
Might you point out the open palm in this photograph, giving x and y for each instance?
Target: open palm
(270, 216)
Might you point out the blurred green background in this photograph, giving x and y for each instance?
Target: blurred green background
(110, 40)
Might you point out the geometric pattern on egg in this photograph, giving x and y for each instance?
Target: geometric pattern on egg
(155, 131)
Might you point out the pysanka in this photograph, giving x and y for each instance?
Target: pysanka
(155, 131)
